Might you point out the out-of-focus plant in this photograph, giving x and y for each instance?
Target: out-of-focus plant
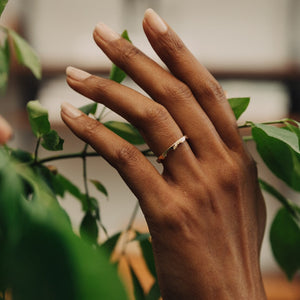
(41, 257)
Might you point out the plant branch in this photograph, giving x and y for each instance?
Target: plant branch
(81, 154)
(37, 150)
(68, 155)
(129, 227)
(133, 216)
(249, 123)
(84, 168)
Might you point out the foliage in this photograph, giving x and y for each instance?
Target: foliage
(40, 255)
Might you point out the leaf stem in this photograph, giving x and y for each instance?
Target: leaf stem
(37, 149)
(278, 196)
(3, 28)
(101, 114)
(129, 227)
(84, 168)
(247, 138)
(250, 123)
(133, 216)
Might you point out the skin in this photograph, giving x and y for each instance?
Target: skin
(205, 212)
(5, 131)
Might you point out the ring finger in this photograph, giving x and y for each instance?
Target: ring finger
(153, 121)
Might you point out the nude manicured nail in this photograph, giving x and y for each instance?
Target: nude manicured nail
(106, 33)
(155, 21)
(77, 74)
(70, 110)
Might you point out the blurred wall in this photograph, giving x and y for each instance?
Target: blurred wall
(230, 35)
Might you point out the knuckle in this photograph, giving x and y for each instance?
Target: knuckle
(178, 91)
(89, 127)
(99, 86)
(231, 174)
(174, 46)
(127, 155)
(127, 53)
(156, 113)
(213, 89)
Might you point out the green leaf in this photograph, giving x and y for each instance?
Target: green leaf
(89, 228)
(285, 241)
(137, 288)
(279, 148)
(142, 237)
(126, 131)
(46, 260)
(154, 293)
(109, 245)
(10, 214)
(38, 118)
(89, 108)
(292, 128)
(238, 105)
(100, 187)
(4, 66)
(26, 55)
(22, 156)
(65, 185)
(51, 141)
(147, 252)
(116, 73)
(2, 5)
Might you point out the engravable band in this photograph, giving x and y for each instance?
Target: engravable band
(172, 147)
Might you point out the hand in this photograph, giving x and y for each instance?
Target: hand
(5, 131)
(205, 212)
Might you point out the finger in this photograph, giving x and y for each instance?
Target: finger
(186, 67)
(5, 131)
(151, 119)
(138, 173)
(163, 87)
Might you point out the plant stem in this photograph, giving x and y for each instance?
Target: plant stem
(249, 124)
(133, 216)
(85, 181)
(147, 152)
(4, 29)
(248, 138)
(101, 114)
(84, 167)
(129, 227)
(37, 149)
(68, 155)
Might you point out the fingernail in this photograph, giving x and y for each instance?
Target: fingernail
(5, 131)
(70, 110)
(106, 33)
(77, 74)
(155, 21)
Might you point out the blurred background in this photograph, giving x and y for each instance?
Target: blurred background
(251, 47)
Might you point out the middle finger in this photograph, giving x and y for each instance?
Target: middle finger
(163, 87)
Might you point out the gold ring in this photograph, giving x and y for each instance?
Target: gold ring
(172, 147)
